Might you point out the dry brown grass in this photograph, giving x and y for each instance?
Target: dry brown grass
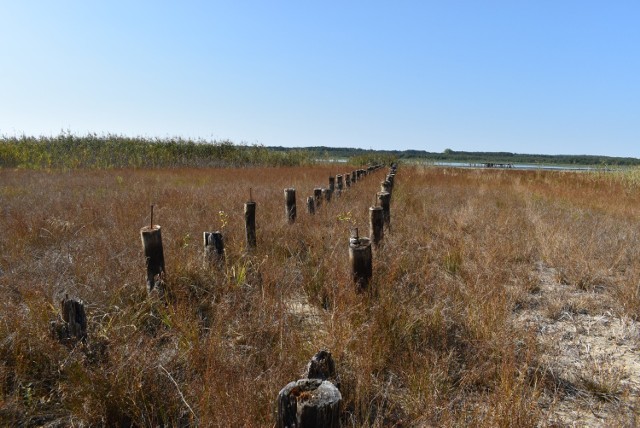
(433, 344)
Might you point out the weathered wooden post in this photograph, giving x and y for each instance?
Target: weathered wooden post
(151, 237)
(347, 180)
(311, 205)
(384, 198)
(340, 182)
(385, 186)
(73, 326)
(74, 315)
(327, 194)
(213, 247)
(354, 177)
(332, 183)
(322, 366)
(290, 204)
(376, 224)
(360, 259)
(250, 223)
(309, 403)
(317, 194)
(313, 402)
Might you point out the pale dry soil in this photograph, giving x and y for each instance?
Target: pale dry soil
(590, 363)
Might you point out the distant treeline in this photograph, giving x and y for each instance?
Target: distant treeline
(467, 157)
(115, 151)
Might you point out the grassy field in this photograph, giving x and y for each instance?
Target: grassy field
(478, 283)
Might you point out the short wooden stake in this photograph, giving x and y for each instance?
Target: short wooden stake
(290, 204)
(250, 223)
(391, 177)
(384, 199)
(332, 183)
(340, 182)
(347, 180)
(385, 186)
(317, 194)
(354, 177)
(376, 224)
(213, 247)
(151, 237)
(360, 258)
(73, 326)
(321, 366)
(311, 205)
(327, 194)
(73, 314)
(309, 403)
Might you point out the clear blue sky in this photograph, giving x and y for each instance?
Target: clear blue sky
(556, 77)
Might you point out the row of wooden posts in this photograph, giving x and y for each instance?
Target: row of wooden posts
(314, 401)
(214, 241)
(73, 325)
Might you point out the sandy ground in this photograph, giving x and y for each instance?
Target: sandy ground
(590, 362)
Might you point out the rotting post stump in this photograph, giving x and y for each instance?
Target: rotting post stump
(250, 224)
(213, 247)
(361, 260)
(309, 403)
(376, 224)
(290, 204)
(151, 237)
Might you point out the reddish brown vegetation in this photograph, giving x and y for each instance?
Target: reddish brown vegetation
(434, 343)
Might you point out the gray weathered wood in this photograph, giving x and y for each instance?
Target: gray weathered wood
(361, 261)
(384, 199)
(151, 237)
(290, 204)
(321, 366)
(72, 327)
(332, 183)
(327, 194)
(250, 223)
(340, 182)
(311, 205)
(213, 247)
(317, 194)
(385, 186)
(309, 403)
(376, 224)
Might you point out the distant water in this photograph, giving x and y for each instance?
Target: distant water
(518, 166)
(331, 160)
